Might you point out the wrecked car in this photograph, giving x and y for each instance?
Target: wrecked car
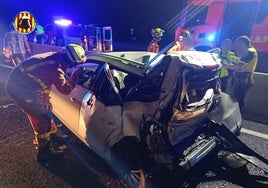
(138, 110)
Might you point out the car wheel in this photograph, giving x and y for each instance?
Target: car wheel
(127, 162)
(136, 179)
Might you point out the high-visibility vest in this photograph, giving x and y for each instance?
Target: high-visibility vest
(227, 58)
(250, 62)
(250, 65)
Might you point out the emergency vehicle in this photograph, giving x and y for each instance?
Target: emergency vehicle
(211, 21)
(91, 37)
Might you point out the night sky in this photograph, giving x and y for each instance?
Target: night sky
(122, 15)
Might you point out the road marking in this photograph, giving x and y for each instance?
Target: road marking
(6, 105)
(254, 133)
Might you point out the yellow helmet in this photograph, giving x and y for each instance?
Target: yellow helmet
(185, 34)
(75, 53)
(157, 32)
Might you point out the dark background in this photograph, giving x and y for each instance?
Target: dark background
(122, 15)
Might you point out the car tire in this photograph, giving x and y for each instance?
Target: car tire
(127, 159)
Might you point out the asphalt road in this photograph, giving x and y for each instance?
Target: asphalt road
(18, 167)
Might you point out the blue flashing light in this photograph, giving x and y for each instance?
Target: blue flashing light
(63, 22)
(211, 37)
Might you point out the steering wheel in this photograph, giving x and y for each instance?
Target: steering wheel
(84, 76)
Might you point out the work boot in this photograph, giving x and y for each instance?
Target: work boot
(59, 139)
(50, 152)
(55, 135)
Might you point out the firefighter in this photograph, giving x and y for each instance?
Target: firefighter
(183, 42)
(156, 33)
(29, 84)
(243, 69)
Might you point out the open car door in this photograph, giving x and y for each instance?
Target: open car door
(101, 113)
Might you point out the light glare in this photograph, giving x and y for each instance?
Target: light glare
(211, 37)
(63, 22)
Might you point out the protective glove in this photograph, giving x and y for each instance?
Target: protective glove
(76, 73)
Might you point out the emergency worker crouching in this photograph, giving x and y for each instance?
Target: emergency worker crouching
(243, 69)
(29, 84)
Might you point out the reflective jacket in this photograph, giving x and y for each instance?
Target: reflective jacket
(250, 60)
(153, 47)
(227, 58)
(246, 74)
(42, 71)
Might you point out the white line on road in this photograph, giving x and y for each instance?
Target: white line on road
(254, 133)
(6, 105)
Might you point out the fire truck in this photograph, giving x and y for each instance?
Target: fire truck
(211, 21)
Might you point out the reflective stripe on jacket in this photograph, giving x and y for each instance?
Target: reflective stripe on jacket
(245, 75)
(251, 60)
(227, 58)
(44, 70)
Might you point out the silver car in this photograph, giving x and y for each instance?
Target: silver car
(157, 99)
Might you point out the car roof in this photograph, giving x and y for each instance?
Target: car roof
(129, 61)
(139, 62)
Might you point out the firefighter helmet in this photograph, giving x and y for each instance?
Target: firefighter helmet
(157, 32)
(185, 34)
(75, 53)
